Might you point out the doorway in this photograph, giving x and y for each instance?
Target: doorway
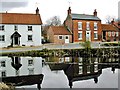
(88, 36)
(66, 39)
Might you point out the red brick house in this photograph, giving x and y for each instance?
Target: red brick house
(110, 32)
(84, 27)
(117, 24)
(59, 35)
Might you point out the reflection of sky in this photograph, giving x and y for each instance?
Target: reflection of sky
(106, 80)
(57, 79)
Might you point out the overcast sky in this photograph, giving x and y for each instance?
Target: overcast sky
(49, 8)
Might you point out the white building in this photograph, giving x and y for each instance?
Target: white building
(20, 29)
(20, 66)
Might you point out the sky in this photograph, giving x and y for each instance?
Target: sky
(50, 8)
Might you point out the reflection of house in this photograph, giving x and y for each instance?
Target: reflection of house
(110, 32)
(17, 29)
(21, 70)
(84, 27)
(82, 70)
(59, 35)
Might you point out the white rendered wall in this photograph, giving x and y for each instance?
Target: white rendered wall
(24, 69)
(23, 31)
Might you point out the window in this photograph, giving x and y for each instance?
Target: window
(31, 71)
(117, 34)
(113, 34)
(30, 62)
(15, 28)
(79, 35)
(60, 37)
(2, 37)
(2, 63)
(95, 26)
(66, 37)
(2, 28)
(80, 70)
(79, 25)
(29, 37)
(88, 25)
(3, 74)
(95, 68)
(88, 69)
(29, 28)
(109, 34)
(95, 35)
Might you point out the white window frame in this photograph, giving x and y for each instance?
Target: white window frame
(79, 25)
(2, 27)
(113, 33)
(88, 25)
(109, 34)
(97, 35)
(80, 69)
(31, 37)
(3, 75)
(60, 36)
(79, 32)
(117, 34)
(3, 64)
(2, 38)
(30, 62)
(30, 28)
(95, 26)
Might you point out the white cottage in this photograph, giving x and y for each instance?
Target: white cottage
(20, 29)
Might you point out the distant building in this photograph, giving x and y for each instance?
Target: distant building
(84, 27)
(20, 29)
(59, 35)
(110, 33)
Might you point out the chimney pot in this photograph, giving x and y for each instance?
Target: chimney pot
(37, 11)
(95, 12)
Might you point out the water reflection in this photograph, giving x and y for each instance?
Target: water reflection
(21, 70)
(78, 68)
(28, 70)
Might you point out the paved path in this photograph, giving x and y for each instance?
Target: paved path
(52, 46)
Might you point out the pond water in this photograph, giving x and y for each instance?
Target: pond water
(59, 72)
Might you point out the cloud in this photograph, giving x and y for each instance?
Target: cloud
(10, 5)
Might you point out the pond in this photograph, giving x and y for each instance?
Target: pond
(59, 72)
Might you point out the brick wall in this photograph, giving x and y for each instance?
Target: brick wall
(75, 30)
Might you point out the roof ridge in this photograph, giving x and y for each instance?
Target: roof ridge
(20, 13)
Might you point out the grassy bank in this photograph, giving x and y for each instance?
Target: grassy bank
(67, 52)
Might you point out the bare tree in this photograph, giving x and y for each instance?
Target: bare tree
(53, 21)
(108, 19)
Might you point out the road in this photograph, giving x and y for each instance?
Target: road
(52, 46)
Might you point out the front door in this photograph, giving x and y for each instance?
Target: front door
(16, 40)
(88, 36)
(66, 39)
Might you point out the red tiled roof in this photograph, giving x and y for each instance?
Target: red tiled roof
(108, 27)
(60, 30)
(20, 18)
(117, 24)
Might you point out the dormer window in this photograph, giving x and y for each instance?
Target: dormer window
(29, 28)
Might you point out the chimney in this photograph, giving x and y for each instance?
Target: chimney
(37, 11)
(69, 10)
(112, 22)
(95, 13)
